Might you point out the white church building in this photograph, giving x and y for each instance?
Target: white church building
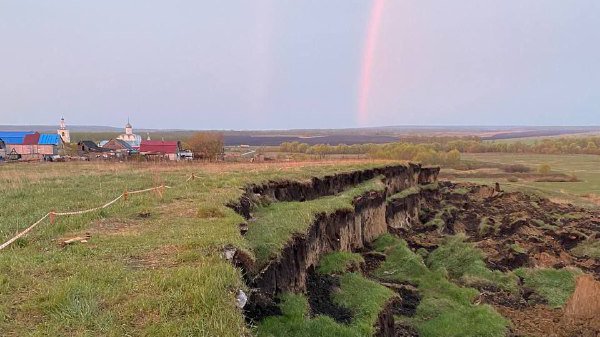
(129, 137)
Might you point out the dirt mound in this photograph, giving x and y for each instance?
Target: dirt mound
(583, 309)
(513, 229)
(534, 321)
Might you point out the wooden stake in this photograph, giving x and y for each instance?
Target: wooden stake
(52, 217)
(125, 195)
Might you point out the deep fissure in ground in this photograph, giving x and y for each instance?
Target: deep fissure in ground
(517, 234)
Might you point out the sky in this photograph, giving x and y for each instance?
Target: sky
(282, 64)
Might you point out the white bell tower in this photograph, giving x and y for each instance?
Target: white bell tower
(63, 132)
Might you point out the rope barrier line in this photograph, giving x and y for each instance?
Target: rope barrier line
(7, 243)
(52, 214)
(89, 210)
(149, 189)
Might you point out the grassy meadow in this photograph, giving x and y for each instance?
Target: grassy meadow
(152, 266)
(586, 168)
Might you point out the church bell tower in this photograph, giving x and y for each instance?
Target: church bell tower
(63, 132)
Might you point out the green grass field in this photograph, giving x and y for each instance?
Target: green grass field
(585, 167)
(152, 266)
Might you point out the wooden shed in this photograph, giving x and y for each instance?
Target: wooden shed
(89, 148)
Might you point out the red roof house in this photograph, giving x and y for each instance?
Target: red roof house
(34, 146)
(169, 148)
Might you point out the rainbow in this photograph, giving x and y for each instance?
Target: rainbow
(367, 61)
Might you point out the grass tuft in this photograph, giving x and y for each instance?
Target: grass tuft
(385, 241)
(296, 322)
(554, 285)
(445, 309)
(463, 262)
(340, 262)
(365, 298)
(588, 248)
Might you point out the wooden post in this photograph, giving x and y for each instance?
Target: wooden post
(52, 217)
(125, 195)
(159, 191)
(193, 176)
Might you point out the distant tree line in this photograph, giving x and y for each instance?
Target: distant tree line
(436, 150)
(424, 153)
(565, 145)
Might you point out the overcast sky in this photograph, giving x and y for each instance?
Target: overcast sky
(270, 64)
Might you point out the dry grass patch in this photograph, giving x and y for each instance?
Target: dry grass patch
(115, 226)
(160, 257)
(179, 208)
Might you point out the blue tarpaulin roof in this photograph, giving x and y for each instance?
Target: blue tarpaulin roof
(16, 138)
(13, 137)
(49, 139)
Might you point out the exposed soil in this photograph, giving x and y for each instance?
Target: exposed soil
(409, 298)
(260, 307)
(318, 290)
(519, 230)
(372, 261)
(403, 330)
(583, 309)
(513, 229)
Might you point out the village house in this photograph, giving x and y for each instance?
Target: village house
(31, 145)
(9, 139)
(120, 147)
(2, 150)
(87, 148)
(13, 137)
(160, 149)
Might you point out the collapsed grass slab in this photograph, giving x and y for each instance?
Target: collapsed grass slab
(273, 226)
(554, 285)
(364, 298)
(445, 308)
(356, 217)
